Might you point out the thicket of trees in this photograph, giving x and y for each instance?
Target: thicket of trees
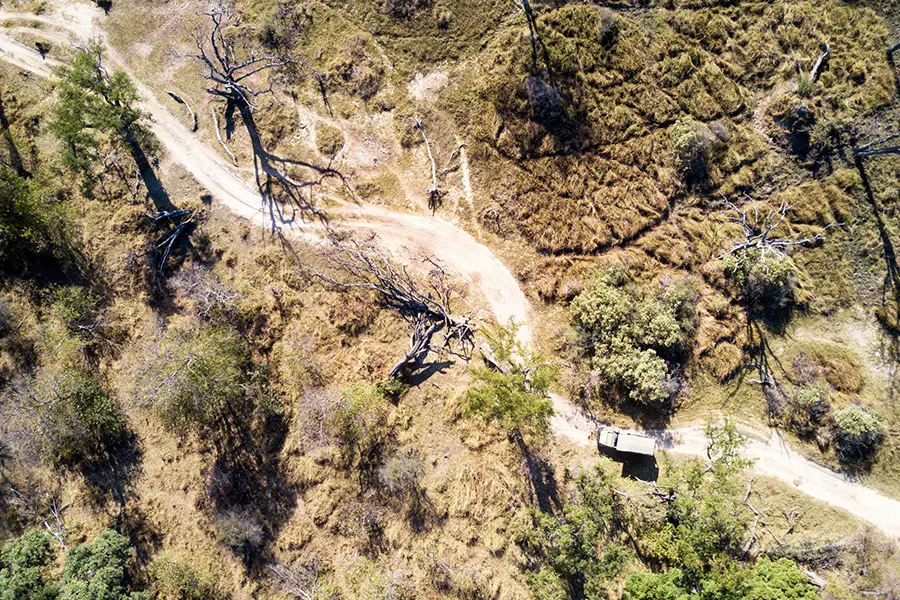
(636, 337)
(688, 530)
(97, 570)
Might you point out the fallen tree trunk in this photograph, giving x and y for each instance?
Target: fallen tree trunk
(181, 100)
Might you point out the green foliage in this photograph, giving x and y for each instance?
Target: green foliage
(575, 548)
(649, 586)
(693, 147)
(176, 580)
(807, 406)
(94, 107)
(516, 397)
(778, 580)
(767, 280)
(76, 421)
(23, 561)
(193, 378)
(858, 432)
(33, 224)
(97, 570)
(766, 580)
(636, 338)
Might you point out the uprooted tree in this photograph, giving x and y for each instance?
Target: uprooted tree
(232, 62)
(427, 305)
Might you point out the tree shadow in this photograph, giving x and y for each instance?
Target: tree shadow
(109, 476)
(155, 189)
(246, 490)
(892, 276)
(542, 478)
(417, 376)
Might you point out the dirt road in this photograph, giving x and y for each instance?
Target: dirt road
(409, 235)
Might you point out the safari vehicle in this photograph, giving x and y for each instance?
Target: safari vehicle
(625, 441)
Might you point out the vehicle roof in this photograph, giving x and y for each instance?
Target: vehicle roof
(639, 444)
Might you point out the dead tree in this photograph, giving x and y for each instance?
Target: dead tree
(302, 579)
(158, 250)
(435, 194)
(231, 63)
(426, 305)
(759, 233)
(820, 62)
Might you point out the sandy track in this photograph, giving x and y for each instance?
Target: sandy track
(410, 234)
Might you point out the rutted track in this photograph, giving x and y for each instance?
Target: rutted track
(404, 233)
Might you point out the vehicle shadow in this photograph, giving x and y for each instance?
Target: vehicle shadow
(638, 467)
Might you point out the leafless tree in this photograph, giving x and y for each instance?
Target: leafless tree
(231, 63)
(426, 305)
(759, 232)
(300, 579)
(212, 298)
(435, 194)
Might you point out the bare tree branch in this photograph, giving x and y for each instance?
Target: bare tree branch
(230, 62)
(426, 305)
(759, 232)
(181, 100)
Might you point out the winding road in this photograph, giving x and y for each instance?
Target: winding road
(407, 234)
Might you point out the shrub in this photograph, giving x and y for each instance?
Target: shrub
(176, 580)
(404, 9)
(858, 432)
(767, 281)
(354, 419)
(402, 472)
(808, 405)
(33, 226)
(329, 140)
(192, 377)
(693, 146)
(370, 580)
(240, 530)
(76, 420)
(23, 561)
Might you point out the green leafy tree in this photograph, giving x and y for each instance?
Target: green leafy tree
(635, 338)
(575, 548)
(95, 107)
(98, 570)
(23, 562)
(514, 392)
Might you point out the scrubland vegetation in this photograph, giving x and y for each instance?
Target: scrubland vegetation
(192, 406)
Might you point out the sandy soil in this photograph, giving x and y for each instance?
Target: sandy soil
(410, 235)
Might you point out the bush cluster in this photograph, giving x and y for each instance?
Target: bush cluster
(767, 281)
(97, 570)
(636, 339)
